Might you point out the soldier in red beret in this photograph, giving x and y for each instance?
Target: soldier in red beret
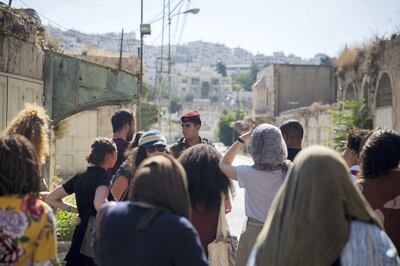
(191, 125)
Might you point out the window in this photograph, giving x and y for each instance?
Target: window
(195, 81)
(215, 81)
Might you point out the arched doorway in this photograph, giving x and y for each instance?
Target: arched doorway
(350, 93)
(383, 103)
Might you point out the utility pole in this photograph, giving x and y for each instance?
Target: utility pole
(9, 3)
(141, 68)
(169, 68)
(120, 50)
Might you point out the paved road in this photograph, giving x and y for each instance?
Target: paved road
(237, 217)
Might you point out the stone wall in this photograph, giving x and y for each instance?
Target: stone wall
(316, 120)
(21, 58)
(366, 72)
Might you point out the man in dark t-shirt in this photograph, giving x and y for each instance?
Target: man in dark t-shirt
(292, 132)
(123, 127)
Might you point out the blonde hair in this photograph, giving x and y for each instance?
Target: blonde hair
(33, 123)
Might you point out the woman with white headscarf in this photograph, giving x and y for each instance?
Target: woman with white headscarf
(261, 180)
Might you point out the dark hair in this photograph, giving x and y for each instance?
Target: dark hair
(19, 166)
(380, 153)
(205, 179)
(135, 141)
(134, 144)
(293, 128)
(356, 138)
(99, 149)
(140, 155)
(196, 121)
(120, 118)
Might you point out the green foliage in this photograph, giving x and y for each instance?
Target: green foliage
(247, 79)
(244, 81)
(353, 114)
(148, 115)
(253, 73)
(189, 98)
(226, 133)
(66, 222)
(221, 69)
(65, 225)
(214, 98)
(175, 105)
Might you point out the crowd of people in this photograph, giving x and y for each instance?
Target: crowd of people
(140, 202)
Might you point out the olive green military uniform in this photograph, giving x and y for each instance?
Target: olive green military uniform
(177, 148)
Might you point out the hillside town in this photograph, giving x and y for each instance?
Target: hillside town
(111, 117)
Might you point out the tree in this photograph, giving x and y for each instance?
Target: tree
(253, 73)
(352, 114)
(175, 105)
(189, 98)
(149, 115)
(221, 68)
(226, 133)
(244, 81)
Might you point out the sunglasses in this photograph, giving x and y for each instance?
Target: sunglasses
(158, 148)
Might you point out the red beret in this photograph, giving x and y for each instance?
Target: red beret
(191, 116)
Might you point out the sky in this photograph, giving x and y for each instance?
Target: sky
(303, 28)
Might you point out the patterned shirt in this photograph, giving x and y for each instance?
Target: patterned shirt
(27, 232)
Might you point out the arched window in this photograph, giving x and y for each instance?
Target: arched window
(384, 92)
(383, 103)
(350, 94)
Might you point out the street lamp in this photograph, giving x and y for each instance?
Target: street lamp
(191, 11)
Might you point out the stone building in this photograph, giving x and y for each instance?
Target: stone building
(284, 87)
(372, 74)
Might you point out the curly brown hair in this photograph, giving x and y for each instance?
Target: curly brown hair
(356, 138)
(99, 149)
(32, 122)
(380, 153)
(19, 166)
(205, 179)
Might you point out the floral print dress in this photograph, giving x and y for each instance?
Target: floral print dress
(27, 232)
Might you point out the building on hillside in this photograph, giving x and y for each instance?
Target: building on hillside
(203, 84)
(234, 70)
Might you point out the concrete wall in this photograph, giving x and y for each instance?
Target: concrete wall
(302, 85)
(316, 120)
(21, 81)
(21, 58)
(264, 93)
(82, 129)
